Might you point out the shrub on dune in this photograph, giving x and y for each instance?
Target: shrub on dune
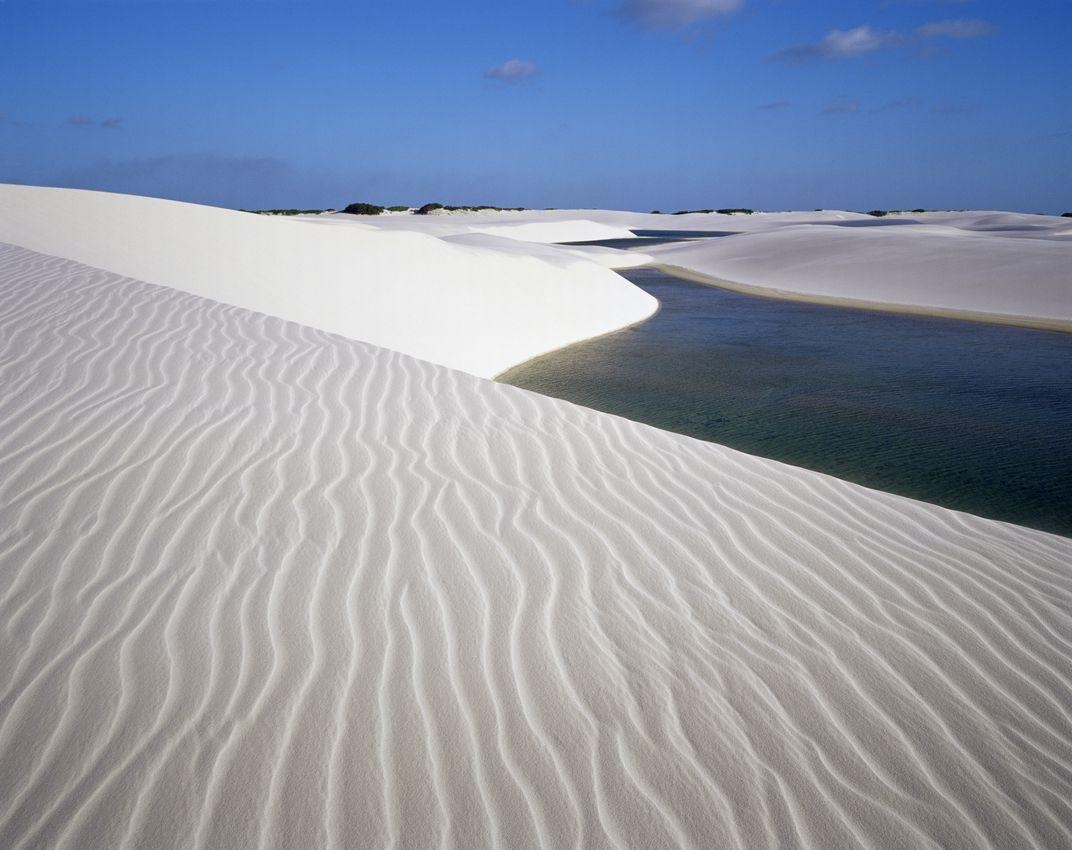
(363, 209)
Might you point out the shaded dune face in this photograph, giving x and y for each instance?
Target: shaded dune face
(265, 586)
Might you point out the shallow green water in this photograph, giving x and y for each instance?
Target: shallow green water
(971, 416)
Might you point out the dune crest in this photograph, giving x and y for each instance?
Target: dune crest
(262, 585)
(473, 308)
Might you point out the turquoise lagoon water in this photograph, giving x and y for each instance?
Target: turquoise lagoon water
(972, 416)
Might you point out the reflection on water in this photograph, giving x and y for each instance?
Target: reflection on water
(649, 238)
(971, 416)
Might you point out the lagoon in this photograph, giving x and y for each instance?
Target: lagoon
(970, 416)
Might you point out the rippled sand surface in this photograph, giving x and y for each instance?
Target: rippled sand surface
(265, 586)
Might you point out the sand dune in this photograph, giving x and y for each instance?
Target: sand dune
(538, 226)
(936, 267)
(611, 258)
(261, 585)
(478, 308)
(568, 225)
(984, 265)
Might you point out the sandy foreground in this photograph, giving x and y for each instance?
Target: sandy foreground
(262, 584)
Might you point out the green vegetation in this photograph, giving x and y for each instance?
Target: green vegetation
(1066, 215)
(483, 208)
(724, 211)
(363, 209)
(919, 211)
(656, 212)
(878, 213)
(376, 209)
(427, 208)
(286, 212)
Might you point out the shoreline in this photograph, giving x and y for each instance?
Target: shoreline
(655, 312)
(1035, 323)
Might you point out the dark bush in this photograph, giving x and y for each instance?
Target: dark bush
(284, 212)
(427, 208)
(731, 211)
(363, 209)
(1066, 215)
(398, 208)
(656, 212)
(878, 213)
(918, 211)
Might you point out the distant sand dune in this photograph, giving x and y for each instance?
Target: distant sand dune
(265, 586)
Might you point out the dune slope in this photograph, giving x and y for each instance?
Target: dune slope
(934, 268)
(473, 308)
(261, 585)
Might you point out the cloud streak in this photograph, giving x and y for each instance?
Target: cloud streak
(865, 39)
(512, 71)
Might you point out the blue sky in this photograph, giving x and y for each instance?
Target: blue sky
(634, 104)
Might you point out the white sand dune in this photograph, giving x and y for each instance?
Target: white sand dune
(935, 267)
(611, 258)
(570, 225)
(477, 309)
(983, 265)
(262, 585)
(540, 226)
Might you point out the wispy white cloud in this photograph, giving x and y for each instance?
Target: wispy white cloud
(512, 71)
(839, 44)
(675, 14)
(865, 39)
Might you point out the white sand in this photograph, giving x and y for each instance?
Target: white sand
(937, 267)
(477, 308)
(611, 258)
(265, 586)
(991, 265)
(529, 226)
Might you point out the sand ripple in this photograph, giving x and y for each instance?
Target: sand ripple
(265, 586)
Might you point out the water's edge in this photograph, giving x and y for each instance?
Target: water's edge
(972, 416)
